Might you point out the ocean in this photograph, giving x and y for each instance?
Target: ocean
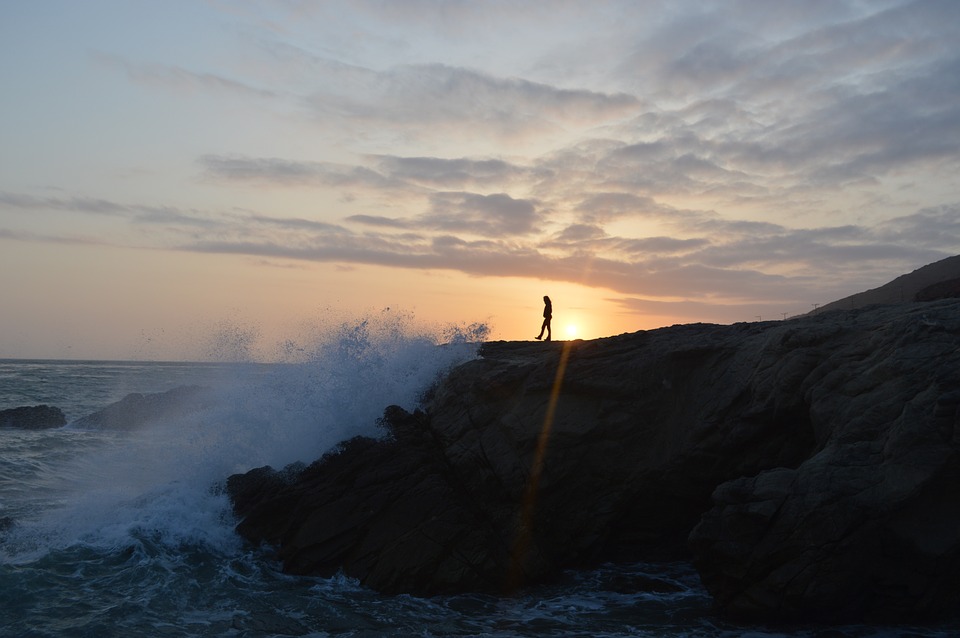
(129, 533)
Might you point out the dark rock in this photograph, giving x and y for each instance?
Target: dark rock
(136, 410)
(915, 286)
(37, 417)
(342, 514)
(869, 526)
(941, 290)
(814, 460)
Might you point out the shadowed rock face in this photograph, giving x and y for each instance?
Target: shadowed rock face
(941, 290)
(815, 462)
(869, 525)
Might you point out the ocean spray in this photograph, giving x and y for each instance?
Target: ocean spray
(159, 481)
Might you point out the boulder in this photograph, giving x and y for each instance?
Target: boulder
(808, 466)
(394, 518)
(37, 417)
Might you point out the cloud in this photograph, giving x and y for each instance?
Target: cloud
(48, 238)
(602, 207)
(576, 233)
(710, 256)
(279, 171)
(730, 270)
(498, 258)
(447, 173)
(434, 98)
(77, 204)
(167, 219)
(757, 107)
(170, 216)
(416, 175)
(139, 213)
(178, 79)
(296, 224)
(737, 263)
(866, 102)
(594, 240)
(726, 156)
(460, 211)
(936, 228)
(377, 220)
(490, 215)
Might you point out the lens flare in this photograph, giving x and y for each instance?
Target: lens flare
(522, 541)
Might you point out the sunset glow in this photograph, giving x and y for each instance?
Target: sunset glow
(171, 169)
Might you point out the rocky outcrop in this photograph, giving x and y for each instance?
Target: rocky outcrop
(949, 289)
(927, 283)
(36, 417)
(810, 467)
(869, 525)
(136, 410)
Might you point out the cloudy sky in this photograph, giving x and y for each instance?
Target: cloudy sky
(173, 172)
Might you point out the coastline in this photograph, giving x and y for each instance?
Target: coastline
(694, 429)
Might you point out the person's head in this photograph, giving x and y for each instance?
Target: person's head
(546, 299)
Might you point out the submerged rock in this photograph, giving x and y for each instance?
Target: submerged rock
(136, 410)
(816, 462)
(37, 417)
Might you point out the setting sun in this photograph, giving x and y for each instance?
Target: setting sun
(571, 331)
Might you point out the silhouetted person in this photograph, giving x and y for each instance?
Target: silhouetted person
(547, 316)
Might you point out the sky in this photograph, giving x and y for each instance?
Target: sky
(184, 179)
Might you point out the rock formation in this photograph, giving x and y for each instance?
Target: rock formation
(938, 280)
(810, 467)
(36, 417)
(136, 410)
(869, 524)
(949, 289)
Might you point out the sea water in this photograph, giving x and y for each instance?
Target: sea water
(129, 533)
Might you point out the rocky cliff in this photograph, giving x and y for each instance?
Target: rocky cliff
(810, 468)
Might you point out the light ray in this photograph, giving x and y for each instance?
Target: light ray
(521, 545)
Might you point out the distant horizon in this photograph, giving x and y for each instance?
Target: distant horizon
(185, 178)
(531, 341)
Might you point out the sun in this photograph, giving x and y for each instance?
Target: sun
(571, 330)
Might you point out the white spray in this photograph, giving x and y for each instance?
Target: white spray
(159, 481)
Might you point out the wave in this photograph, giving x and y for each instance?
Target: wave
(160, 481)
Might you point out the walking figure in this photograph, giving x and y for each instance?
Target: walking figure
(547, 316)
